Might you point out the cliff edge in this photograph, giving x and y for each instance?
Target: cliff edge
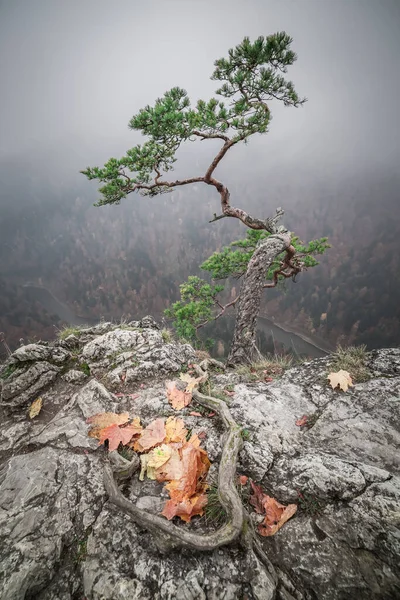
(62, 539)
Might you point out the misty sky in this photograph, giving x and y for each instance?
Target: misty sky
(74, 71)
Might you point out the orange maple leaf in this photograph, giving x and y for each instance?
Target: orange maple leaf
(116, 435)
(195, 465)
(102, 420)
(276, 514)
(151, 436)
(186, 508)
(178, 398)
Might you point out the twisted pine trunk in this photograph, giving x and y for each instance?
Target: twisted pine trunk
(243, 345)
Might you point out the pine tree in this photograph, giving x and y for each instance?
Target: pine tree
(250, 78)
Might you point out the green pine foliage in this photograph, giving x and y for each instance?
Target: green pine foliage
(251, 76)
(199, 300)
(195, 307)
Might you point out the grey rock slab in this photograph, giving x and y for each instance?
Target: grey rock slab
(68, 428)
(47, 498)
(362, 426)
(321, 475)
(34, 352)
(327, 566)
(25, 384)
(103, 348)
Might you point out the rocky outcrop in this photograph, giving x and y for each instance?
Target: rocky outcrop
(62, 539)
(129, 352)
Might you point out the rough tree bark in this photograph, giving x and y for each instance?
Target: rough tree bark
(243, 347)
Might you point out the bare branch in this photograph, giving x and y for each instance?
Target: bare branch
(217, 218)
(223, 309)
(211, 136)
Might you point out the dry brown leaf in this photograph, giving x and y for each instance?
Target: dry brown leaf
(195, 414)
(175, 430)
(153, 435)
(35, 408)
(342, 379)
(191, 382)
(177, 398)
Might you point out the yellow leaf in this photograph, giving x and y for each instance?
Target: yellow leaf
(35, 408)
(175, 430)
(191, 382)
(154, 460)
(341, 379)
(178, 398)
(158, 456)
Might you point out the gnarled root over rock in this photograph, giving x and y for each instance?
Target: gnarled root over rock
(167, 534)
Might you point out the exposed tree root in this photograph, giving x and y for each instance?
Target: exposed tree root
(174, 536)
(238, 526)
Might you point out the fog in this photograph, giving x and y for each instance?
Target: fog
(73, 73)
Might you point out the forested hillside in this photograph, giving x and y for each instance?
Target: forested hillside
(129, 260)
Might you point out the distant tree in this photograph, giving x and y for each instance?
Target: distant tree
(251, 77)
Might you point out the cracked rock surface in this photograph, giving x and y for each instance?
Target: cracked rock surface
(61, 539)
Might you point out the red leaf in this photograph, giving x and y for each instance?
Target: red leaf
(258, 497)
(195, 414)
(116, 435)
(202, 435)
(303, 421)
(243, 479)
(211, 414)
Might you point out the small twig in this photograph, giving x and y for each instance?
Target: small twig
(217, 218)
(223, 309)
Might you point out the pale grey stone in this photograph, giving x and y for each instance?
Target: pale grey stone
(24, 384)
(74, 376)
(53, 506)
